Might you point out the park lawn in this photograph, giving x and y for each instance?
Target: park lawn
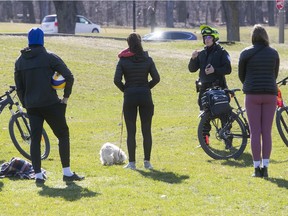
(185, 180)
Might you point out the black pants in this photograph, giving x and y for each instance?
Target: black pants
(54, 115)
(138, 99)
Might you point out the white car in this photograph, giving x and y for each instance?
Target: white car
(83, 25)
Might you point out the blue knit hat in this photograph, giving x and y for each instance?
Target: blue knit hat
(36, 37)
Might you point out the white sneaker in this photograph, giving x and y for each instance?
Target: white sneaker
(130, 165)
(147, 165)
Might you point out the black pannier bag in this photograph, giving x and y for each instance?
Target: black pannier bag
(216, 101)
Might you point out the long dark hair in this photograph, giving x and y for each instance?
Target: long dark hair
(134, 43)
(259, 35)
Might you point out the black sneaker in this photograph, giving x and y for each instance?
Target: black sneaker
(257, 172)
(74, 177)
(264, 172)
(39, 182)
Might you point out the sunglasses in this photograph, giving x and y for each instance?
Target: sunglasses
(208, 37)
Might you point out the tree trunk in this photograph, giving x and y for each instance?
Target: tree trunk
(213, 11)
(271, 13)
(231, 14)
(28, 12)
(259, 13)
(6, 11)
(251, 13)
(242, 13)
(44, 7)
(66, 16)
(169, 14)
(182, 11)
(152, 15)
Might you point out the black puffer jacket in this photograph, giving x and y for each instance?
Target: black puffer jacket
(135, 69)
(33, 72)
(258, 72)
(218, 57)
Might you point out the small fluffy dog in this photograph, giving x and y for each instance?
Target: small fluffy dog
(111, 154)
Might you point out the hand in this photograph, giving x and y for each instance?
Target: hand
(64, 100)
(209, 69)
(195, 54)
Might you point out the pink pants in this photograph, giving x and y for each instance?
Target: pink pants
(260, 111)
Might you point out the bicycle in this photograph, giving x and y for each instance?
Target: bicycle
(19, 128)
(236, 131)
(282, 114)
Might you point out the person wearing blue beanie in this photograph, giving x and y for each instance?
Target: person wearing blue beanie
(35, 37)
(34, 69)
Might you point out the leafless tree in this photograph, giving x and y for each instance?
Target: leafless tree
(231, 12)
(169, 14)
(66, 16)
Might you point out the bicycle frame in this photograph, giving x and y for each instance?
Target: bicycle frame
(6, 99)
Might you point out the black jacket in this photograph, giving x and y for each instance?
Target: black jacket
(218, 57)
(136, 69)
(34, 69)
(258, 72)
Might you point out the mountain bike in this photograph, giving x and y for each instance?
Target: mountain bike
(282, 114)
(234, 131)
(19, 128)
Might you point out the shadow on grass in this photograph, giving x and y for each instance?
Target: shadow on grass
(243, 161)
(72, 192)
(1, 185)
(282, 183)
(168, 177)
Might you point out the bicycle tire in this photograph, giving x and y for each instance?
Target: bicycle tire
(282, 123)
(216, 148)
(19, 130)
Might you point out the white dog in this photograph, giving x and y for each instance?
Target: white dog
(111, 154)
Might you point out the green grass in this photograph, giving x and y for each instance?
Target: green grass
(185, 181)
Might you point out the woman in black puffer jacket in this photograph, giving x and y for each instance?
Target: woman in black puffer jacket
(136, 66)
(258, 71)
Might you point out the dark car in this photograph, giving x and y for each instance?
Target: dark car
(169, 36)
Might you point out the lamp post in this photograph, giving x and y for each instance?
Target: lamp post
(280, 6)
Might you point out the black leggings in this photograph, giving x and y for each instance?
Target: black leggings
(141, 100)
(54, 115)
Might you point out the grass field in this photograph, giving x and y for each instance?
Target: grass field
(185, 180)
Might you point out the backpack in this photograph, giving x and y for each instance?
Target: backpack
(216, 101)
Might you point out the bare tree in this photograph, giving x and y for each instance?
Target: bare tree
(6, 11)
(28, 12)
(231, 14)
(181, 11)
(271, 13)
(45, 8)
(152, 16)
(66, 16)
(169, 14)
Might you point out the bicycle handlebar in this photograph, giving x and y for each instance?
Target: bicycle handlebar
(11, 89)
(283, 82)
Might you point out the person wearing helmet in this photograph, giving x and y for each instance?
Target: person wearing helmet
(213, 63)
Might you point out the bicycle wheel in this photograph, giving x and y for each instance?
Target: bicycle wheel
(223, 144)
(282, 123)
(19, 130)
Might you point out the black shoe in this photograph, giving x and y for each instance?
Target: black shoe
(74, 177)
(264, 172)
(39, 182)
(257, 172)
